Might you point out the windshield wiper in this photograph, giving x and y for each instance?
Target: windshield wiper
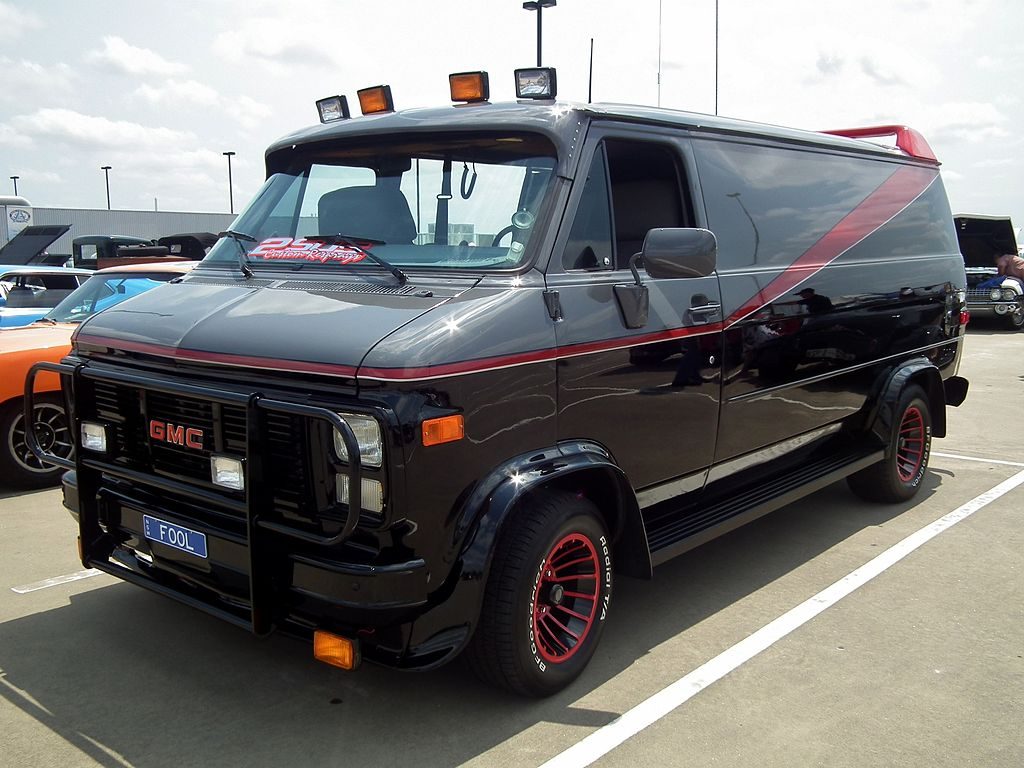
(354, 242)
(243, 256)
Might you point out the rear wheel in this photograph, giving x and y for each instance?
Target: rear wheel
(898, 477)
(546, 599)
(18, 465)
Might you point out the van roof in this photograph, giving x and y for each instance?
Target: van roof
(560, 120)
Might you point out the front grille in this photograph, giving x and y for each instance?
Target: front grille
(132, 410)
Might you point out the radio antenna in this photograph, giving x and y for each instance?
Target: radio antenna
(590, 80)
(659, 53)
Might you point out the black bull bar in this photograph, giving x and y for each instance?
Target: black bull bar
(96, 546)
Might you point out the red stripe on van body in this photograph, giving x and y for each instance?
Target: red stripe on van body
(893, 196)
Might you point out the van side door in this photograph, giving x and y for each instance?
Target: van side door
(646, 388)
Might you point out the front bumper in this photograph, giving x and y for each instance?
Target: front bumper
(993, 308)
(261, 572)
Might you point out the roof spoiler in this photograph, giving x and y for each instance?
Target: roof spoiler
(907, 139)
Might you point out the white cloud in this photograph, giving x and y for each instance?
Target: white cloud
(274, 43)
(15, 22)
(830, 63)
(996, 162)
(10, 137)
(247, 109)
(91, 132)
(186, 161)
(22, 77)
(179, 91)
(970, 122)
(121, 56)
(873, 70)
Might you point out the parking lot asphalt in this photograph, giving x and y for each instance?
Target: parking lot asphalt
(921, 664)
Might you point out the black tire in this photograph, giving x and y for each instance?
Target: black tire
(18, 466)
(535, 636)
(897, 478)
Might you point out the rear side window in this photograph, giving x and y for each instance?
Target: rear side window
(631, 188)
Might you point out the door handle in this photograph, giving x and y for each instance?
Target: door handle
(705, 309)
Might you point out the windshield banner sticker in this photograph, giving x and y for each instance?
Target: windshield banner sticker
(301, 249)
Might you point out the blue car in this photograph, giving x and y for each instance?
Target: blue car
(29, 292)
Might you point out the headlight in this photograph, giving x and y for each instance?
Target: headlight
(94, 437)
(995, 294)
(367, 432)
(227, 472)
(1009, 294)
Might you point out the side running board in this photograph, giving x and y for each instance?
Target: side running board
(672, 531)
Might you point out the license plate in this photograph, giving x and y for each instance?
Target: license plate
(176, 536)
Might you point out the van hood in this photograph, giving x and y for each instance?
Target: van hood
(290, 325)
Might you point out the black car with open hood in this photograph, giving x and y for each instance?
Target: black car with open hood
(983, 241)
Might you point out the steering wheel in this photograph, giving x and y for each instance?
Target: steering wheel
(501, 234)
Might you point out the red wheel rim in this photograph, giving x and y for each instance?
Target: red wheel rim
(565, 598)
(910, 447)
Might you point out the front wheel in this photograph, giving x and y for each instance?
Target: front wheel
(546, 599)
(898, 476)
(19, 467)
(1015, 320)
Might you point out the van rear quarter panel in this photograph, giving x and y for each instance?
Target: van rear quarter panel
(833, 267)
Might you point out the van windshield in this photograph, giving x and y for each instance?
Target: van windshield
(467, 201)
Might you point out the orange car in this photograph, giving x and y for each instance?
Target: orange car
(49, 339)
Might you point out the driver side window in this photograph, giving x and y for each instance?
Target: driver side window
(631, 188)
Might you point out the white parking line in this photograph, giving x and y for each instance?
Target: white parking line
(76, 576)
(631, 722)
(978, 458)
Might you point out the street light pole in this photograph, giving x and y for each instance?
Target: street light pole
(231, 191)
(15, 180)
(539, 6)
(716, 58)
(106, 176)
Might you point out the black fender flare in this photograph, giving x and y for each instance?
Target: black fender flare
(491, 504)
(583, 467)
(919, 371)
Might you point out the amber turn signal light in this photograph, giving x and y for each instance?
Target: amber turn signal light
(376, 99)
(446, 429)
(469, 86)
(335, 650)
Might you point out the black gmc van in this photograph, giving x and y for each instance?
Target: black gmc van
(453, 370)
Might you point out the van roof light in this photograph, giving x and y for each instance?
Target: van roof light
(469, 87)
(376, 99)
(536, 83)
(907, 139)
(333, 108)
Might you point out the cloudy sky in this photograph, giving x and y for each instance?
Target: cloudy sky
(159, 90)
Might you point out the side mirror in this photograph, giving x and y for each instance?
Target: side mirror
(670, 253)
